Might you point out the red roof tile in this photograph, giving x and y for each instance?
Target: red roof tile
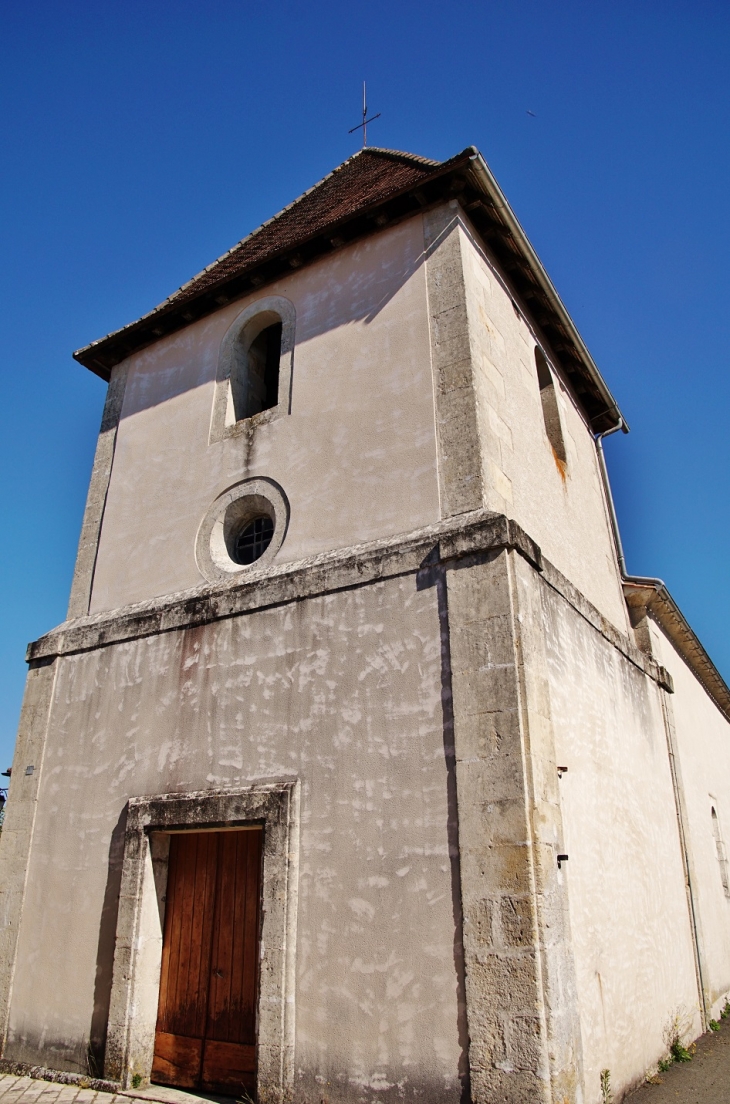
(367, 178)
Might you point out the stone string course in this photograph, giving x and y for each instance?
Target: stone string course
(477, 531)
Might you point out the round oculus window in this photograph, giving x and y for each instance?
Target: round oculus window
(245, 526)
(252, 540)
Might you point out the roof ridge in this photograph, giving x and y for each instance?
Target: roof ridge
(402, 154)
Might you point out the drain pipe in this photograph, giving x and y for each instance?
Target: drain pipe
(640, 580)
(609, 494)
(667, 714)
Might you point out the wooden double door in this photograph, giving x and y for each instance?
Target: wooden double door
(206, 1019)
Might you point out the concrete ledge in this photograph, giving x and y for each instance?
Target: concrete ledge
(164, 1094)
(620, 641)
(473, 533)
(477, 531)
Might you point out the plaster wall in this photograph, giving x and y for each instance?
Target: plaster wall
(356, 456)
(343, 692)
(563, 510)
(629, 915)
(702, 740)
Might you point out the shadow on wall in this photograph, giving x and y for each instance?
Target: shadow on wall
(433, 574)
(360, 282)
(105, 949)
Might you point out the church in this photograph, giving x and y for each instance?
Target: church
(360, 770)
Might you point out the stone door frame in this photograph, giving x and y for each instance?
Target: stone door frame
(140, 923)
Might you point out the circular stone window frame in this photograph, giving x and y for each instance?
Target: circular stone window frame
(231, 510)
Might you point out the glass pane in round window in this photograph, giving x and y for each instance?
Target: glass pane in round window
(253, 540)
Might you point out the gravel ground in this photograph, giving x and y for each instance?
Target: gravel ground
(704, 1080)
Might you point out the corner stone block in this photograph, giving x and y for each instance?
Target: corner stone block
(495, 1084)
(483, 734)
(484, 921)
(499, 973)
(524, 1044)
(460, 466)
(483, 646)
(517, 922)
(506, 834)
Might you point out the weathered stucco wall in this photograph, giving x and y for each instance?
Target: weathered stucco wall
(563, 510)
(628, 906)
(702, 741)
(425, 705)
(356, 456)
(343, 692)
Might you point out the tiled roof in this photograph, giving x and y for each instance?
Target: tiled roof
(368, 177)
(371, 190)
(365, 179)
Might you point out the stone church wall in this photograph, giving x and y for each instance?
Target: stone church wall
(343, 692)
(629, 916)
(702, 743)
(425, 716)
(423, 689)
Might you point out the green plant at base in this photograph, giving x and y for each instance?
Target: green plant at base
(136, 1080)
(726, 1011)
(713, 1025)
(679, 1052)
(606, 1094)
(665, 1064)
(678, 1028)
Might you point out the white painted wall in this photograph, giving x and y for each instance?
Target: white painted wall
(343, 692)
(565, 515)
(356, 457)
(703, 763)
(628, 907)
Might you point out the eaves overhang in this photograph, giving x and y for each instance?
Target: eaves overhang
(406, 185)
(652, 596)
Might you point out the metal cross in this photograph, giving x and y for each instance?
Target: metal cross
(365, 120)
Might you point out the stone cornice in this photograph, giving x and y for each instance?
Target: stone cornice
(422, 550)
(326, 573)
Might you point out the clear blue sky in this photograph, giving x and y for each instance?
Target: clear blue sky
(141, 140)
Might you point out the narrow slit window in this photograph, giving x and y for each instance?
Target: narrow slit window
(255, 385)
(720, 849)
(550, 409)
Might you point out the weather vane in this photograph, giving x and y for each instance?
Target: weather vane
(365, 120)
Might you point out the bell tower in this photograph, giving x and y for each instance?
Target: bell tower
(292, 799)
